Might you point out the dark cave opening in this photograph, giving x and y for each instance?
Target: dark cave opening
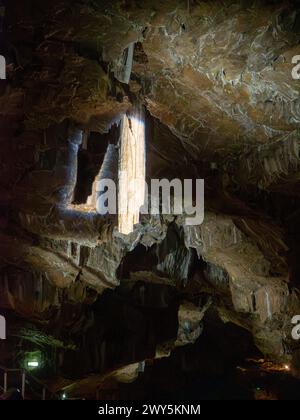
(90, 158)
(208, 369)
(140, 259)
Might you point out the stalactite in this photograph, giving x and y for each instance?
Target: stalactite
(268, 303)
(131, 192)
(217, 275)
(66, 193)
(2, 68)
(123, 66)
(271, 163)
(177, 264)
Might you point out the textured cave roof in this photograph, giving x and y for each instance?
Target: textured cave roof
(218, 74)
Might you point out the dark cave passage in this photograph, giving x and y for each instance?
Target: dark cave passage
(90, 159)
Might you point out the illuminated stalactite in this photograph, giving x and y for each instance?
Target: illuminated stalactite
(131, 192)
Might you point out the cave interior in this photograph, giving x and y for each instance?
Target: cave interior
(102, 308)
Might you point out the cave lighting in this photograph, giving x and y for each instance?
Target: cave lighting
(33, 363)
(287, 367)
(131, 192)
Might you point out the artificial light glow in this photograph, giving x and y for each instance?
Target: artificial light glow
(131, 194)
(287, 367)
(33, 364)
(64, 396)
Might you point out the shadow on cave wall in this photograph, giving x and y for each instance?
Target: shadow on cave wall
(221, 365)
(204, 370)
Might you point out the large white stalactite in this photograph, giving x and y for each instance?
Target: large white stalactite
(131, 192)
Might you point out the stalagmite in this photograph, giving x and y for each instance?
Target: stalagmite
(131, 192)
